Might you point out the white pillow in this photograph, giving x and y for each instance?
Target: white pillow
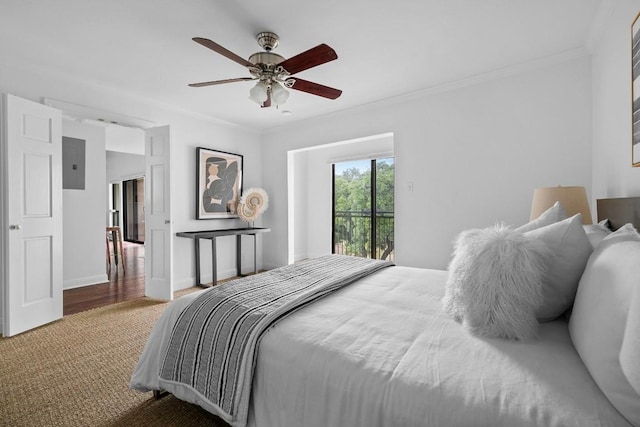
(494, 284)
(554, 214)
(630, 350)
(570, 250)
(602, 326)
(597, 232)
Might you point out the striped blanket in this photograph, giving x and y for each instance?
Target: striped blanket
(213, 345)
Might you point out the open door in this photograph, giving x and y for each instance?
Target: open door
(158, 229)
(31, 201)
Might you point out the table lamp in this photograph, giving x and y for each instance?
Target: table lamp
(572, 199)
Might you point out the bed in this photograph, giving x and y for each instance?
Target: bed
(382, 351)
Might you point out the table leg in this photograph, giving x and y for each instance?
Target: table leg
(121, 248)
(239, 255)
(255, 254)
(114, 240)
(214, 267)
(197, 256)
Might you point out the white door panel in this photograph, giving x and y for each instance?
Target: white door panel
(158, 229)
(32, 215)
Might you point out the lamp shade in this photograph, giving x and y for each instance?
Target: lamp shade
(572, 199)
(278, 93)
(259, 93)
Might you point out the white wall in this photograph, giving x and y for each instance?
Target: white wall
(312, 189)
(298, 184)
(84, 213)
(188, 132)
(123, 166)
(613, 175)
(188, 135)
(475, 154)
(124, 139)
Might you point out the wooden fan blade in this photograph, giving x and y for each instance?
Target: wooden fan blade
(303, 61)
(219, 82)
(222, 51)
(313, 88)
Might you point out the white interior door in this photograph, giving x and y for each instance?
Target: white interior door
(158, 230)
(31, 214)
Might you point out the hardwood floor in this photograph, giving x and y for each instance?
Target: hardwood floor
(122, 285)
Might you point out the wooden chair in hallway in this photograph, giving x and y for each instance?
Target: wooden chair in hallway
(116, 240)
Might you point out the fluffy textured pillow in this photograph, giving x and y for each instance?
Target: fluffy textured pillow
(597, 232)
(494, 284)
(603, 326)
(570, 250)
(552, 215)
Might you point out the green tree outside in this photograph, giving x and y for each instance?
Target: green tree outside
(353, 209)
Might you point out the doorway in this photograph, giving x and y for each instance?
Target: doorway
(115, 156)
(363, 208)
(126, 210)
(309, 185)
(125, 205)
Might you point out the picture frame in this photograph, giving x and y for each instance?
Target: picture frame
(218, 183)
(635, 92)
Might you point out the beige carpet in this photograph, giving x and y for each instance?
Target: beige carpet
(75, 372)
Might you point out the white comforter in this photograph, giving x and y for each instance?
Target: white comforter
(381, 352)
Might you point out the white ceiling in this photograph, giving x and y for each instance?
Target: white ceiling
(385, 48)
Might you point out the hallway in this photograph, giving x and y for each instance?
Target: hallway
(122, 286)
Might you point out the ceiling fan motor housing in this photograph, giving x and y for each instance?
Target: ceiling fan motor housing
(268, 40)
(265, 64)
(266, 58)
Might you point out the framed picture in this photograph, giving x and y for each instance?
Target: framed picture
(635, 91)
(218, 184)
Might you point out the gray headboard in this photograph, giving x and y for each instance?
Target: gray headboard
(619, 211)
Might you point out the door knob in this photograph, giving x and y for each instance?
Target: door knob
(15, 227)
(167, 221)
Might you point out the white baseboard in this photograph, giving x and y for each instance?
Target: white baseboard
(84, 281)
(185, 283)
(301, 256)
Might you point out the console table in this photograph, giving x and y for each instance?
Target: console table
(212, 235)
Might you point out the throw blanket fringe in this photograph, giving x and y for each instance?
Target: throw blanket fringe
(213, 345)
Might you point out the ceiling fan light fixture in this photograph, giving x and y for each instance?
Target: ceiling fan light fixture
(279, 94)
(259, 93)
(274, 73)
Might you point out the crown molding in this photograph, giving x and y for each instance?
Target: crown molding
(498, 74)
(494, 75)
(96, 116)
(21, 64)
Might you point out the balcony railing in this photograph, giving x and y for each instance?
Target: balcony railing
(352, 234)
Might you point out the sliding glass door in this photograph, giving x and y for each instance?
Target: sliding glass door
(133, 213)
(363, 200)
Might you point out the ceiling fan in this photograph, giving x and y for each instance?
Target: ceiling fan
(274, 72)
